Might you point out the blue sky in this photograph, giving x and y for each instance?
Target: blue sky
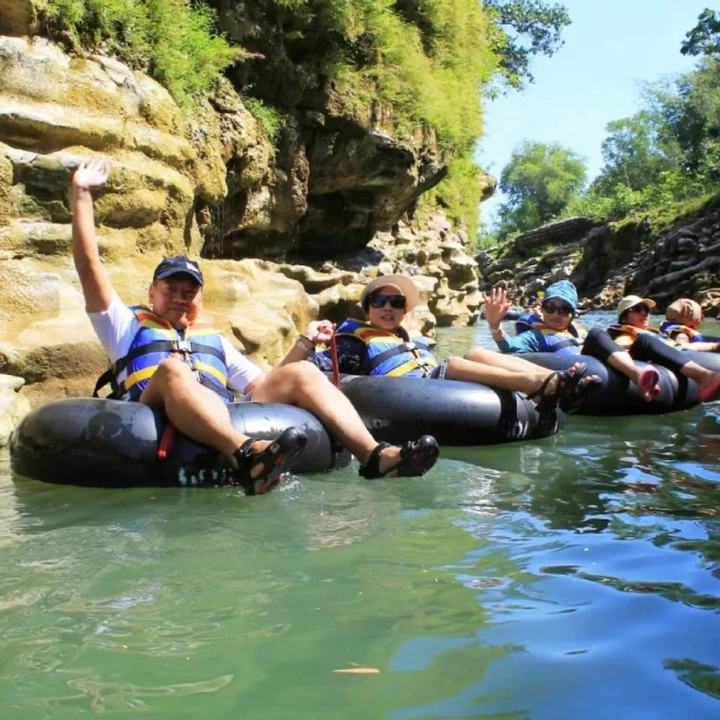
(593, 79)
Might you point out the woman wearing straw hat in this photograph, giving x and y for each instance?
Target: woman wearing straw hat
(634, 334)
(384, 346)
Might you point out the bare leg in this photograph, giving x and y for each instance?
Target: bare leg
(624, 364)
(302, 384)
(193, 409)
(511, 363)
(526, 380)
(697, 372)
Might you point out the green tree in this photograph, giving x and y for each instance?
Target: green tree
(704, 38)
(632, 153)
(539, 180)
(688, 115)
(525, 28)
(668, 152)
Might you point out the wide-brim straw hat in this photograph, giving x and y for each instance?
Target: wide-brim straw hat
(631, 301)
(404, 286)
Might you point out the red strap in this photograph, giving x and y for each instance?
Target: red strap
(166, 442)
(335, 367)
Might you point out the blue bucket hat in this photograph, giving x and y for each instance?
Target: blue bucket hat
(563, 290)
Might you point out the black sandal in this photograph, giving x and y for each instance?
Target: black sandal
(276, 459)
(569, 391)
(416, 458)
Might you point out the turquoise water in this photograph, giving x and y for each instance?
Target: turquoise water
(575, 577)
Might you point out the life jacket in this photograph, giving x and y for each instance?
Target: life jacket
(617, 329)
(391, 353)
(567, 342)
(156, 340)
(672, 330)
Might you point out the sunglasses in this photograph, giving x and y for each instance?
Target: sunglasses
(639, 308)
(397, 302)
(551, 309)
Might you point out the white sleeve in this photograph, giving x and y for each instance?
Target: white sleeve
(115, 327)
(241, 371)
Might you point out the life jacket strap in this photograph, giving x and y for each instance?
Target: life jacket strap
(169, 346)
(107, 378)
(370, 365)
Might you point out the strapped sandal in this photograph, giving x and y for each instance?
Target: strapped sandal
(649, 383)
(416, 458)
(276, 459)
(570, 389)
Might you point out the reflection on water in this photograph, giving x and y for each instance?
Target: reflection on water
(577, 576)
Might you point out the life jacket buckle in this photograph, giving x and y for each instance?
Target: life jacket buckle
(183, 346)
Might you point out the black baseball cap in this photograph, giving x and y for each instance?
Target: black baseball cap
(178, 265)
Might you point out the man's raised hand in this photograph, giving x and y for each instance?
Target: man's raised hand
(91, 173)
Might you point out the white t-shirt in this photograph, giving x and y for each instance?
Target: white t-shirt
(117, 326)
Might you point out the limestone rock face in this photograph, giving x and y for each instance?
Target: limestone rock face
(488, 186)
(55, 110)
(359, 185)
(13, 407)
(435, 258)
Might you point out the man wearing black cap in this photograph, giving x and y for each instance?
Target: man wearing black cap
(191, 386)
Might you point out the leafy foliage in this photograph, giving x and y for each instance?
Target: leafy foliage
(458, 193)
(704, 38)
(172, 40)
(525, 28)
(415, 68)
(633, 154)
(267, 116)
(539, 180)
(667, 155)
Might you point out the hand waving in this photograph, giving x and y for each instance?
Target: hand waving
(496, 306)
(91, 173)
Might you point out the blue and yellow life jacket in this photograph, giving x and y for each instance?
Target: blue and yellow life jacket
(391, 353)
(617, 329)
(672, 330)
(568, 341)
(156, 340)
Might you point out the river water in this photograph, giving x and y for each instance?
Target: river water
(574, 577)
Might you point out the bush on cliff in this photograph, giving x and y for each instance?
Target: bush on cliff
(171, 40)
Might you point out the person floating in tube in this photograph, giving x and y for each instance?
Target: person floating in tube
(682, 324)
(555, 330)
(382, 345)
(165, 356)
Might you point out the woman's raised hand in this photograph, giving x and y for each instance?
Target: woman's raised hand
(320, 331)
(92, 173)
(496, 306)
